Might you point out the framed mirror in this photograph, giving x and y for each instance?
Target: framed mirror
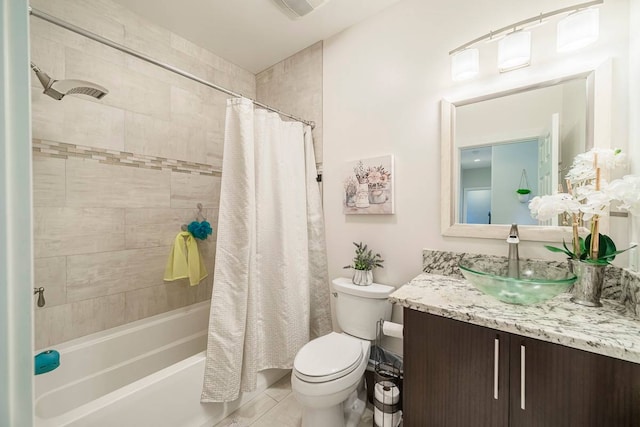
(503, 147)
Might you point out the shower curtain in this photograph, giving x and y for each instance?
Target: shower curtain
(271, 286)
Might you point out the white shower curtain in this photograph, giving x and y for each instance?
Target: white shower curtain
(270, 289)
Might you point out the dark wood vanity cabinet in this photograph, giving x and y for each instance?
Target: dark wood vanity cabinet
(449, 373)
(461, 375)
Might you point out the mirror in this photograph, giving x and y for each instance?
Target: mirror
(515, 147)
(501, 149)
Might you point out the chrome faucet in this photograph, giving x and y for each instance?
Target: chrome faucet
(514, 259)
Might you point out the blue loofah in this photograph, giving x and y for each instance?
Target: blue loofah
(200, 230)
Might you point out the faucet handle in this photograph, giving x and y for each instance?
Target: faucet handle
(513, 236)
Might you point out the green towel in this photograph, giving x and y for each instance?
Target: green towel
(185, 260)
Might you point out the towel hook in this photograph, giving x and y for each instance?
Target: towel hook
(200, 214)
(199, 217)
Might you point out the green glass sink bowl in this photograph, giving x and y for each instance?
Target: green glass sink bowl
(538, 281)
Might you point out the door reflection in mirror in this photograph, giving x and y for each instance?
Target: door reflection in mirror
(539, 131)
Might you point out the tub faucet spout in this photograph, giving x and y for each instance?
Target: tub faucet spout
(40, 293)
(514, 259)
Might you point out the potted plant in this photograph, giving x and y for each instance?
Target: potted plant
(377, 177)
(350, 190)
(524, 193)
(363, 264)
(362, 194)
(588, 197)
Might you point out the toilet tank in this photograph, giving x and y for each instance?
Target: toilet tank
(358, 308)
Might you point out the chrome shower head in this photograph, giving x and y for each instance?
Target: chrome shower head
(57, 89)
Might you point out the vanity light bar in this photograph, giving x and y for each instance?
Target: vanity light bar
(520, 24)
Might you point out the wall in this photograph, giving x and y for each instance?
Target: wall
(515, 117)
(507, 163)
(383, 81)
(473, 178)
(294, 85)
(479, 177)
(634, 109)
(572, 124)
(115, 179)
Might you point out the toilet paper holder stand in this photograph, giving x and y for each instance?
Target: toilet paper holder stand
(387, 371)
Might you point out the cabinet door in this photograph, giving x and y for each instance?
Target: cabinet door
(455, 373)
(566, 387)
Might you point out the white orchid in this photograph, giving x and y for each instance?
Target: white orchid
(595, 203)
(549, 206)
(589, 198)
(627, 192)
(583, 168)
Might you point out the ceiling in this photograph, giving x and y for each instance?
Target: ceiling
(475, 157)
(253, 34)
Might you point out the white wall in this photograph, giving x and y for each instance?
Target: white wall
(634, 105)
(383, 81)
(514, 117)
(572, 123)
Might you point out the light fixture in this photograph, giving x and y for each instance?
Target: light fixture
(464, 64)
(578, 30)
(295, 9)
(514, 51)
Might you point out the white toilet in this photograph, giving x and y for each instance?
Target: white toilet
(328, 372)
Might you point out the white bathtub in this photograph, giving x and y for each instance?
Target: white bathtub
(145, 373)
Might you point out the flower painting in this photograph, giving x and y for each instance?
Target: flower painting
(368, 186)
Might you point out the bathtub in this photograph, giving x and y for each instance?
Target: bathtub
(145, 373)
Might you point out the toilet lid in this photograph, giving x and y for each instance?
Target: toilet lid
(327, 358)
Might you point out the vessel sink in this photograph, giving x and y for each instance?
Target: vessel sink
(537, 281)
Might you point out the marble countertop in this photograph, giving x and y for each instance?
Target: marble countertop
(609, 330)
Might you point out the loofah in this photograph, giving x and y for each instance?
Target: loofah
(200, 230)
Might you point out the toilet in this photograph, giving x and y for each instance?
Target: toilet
(328, 372)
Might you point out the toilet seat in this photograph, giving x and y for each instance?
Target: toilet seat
(327, 358)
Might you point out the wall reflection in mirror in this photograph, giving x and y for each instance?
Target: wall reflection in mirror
(514, 143)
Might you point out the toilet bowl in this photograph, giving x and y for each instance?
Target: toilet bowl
(328, 380)
(328, 372)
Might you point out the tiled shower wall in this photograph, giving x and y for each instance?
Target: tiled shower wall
(115, 179)
(294, 85)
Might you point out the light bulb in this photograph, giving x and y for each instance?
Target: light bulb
(514, 51)
(578, 30)
(464, 64)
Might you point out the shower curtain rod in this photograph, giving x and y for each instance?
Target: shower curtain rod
(93, 36)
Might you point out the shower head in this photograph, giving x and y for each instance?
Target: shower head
(57, 89)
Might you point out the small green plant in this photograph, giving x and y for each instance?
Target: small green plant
(523, 191)
(365, 259)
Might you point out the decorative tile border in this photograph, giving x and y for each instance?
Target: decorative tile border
(63, 150)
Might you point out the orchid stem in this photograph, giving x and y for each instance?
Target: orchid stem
(576, 237)
(595, 235)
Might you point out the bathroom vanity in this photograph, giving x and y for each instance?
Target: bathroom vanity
(470, 360)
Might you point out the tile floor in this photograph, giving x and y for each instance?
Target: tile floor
(275, 407)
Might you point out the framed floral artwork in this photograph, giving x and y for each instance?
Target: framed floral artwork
(368, 186)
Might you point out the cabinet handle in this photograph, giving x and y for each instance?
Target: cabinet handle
(496, 363)
(522, 376)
